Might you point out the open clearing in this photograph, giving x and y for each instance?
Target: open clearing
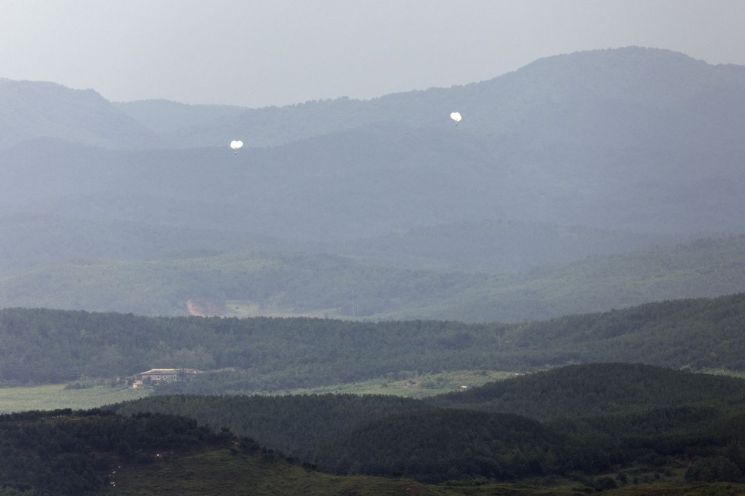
(55, 396)
(412, 385)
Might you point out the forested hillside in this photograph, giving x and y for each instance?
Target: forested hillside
(683, 420)
(125, 192)
(597, 389)
(298, 425)
(30, 110)
(238, 284)
(706, 267)
(101, 453)
(271, 283)
(43, 346)
(89, 453)
(380, 435)
(73, 454)
(495, 246)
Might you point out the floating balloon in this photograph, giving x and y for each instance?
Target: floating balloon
(456, 116)
(236, 145)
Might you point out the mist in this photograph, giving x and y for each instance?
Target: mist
(258, 53)
(372, 248)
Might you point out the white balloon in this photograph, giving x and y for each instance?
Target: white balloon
(456, 116)
(236, 145)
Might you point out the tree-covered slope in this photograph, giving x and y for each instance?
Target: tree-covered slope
(660, 150)
(702, 268)
(597, 389)
(272, 283)
(496, 246)
(220, 472)
(297, 425)
(381, 435)
(238, 284)
(31, 110)
(73, 454)
(599, 96)
(44, 346)
(699, 333)
(90, 453)
(25, 241)
(450, 444)
(378, 435)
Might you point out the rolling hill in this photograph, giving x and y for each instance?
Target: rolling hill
(702, 268)
(632, 94)
(601, 417)
(96, 453)
(263, 354)
(32, 110)
(616, 144)
(495, 246)
(26, 239)
(285, 284)
(597, 389)
(635, 140)
(165, 117)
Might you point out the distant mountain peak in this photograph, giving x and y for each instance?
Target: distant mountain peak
(38, 109)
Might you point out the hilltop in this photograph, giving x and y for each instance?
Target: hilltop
(597, 389)
(633, 139)
(30, 110)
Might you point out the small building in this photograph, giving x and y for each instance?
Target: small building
(160, 376)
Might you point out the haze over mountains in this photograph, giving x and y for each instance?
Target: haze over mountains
(590, 154)
(31, 110)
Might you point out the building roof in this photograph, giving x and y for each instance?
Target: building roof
(168, 371)
(160, 372)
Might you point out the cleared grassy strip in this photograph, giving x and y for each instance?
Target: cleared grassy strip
(56, 396)
(412, 385)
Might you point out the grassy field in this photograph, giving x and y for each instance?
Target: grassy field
(412, 385)
(248, 309)
(54, 396)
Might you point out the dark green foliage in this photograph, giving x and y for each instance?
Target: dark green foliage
(297, 425)
(71, 453)
(681, 415)
(448, 444)
(42, 346)
(714, 469)
(697, 333)
(379, 435)
(597, 389)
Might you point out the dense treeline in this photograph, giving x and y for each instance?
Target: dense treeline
(380, 435)
(601, 417)
(42, 346)
(74, 453)
(79, 453)
(268, 282)
(435, 444)
(439, 445)
(297, 425)
(597, 389)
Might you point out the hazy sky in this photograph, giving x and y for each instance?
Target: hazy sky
(281, 51)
